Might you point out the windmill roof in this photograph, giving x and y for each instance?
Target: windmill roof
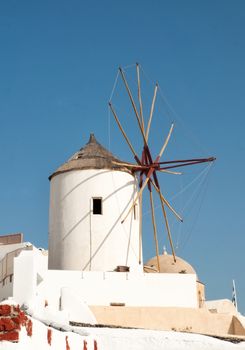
(92, 156)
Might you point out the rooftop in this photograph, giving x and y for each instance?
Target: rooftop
(92, 156)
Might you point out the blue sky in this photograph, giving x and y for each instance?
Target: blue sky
(59, 61)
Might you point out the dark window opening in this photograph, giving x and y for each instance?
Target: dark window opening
(97, 206)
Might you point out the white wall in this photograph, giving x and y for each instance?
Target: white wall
(33, 280)
(30, 269)
(79, 240)
(98, 288)
(6, 248)
(7, 254)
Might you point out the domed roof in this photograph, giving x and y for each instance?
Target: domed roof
(168, 265)
(92, 156)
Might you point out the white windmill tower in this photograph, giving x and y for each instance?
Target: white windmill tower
(89, 194)
(95, 200)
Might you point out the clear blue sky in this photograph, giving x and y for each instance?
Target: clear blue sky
(58, 64)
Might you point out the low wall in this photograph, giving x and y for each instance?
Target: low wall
(100, 288)
(177, 319)
(131, 289)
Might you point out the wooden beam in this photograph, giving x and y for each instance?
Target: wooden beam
(166, 202)
(154, 228)
(168, 229)
(124, 134)
(166, 141)
(151, 112)
(133, 104)
(139, 97)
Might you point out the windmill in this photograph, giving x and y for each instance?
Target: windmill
(147, 167)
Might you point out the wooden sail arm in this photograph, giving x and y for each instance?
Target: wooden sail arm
(168, 229)
(198, 160)
(185, 163)
(140, 122)
(157, 166)
(166, 201)
(133, 105)
(170, 172)
(166, 141)
(151, 112)
(139, 97)
(148, 177)
(124, 134)
(154, 226)
(150, 161)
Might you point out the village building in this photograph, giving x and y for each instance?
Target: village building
(93, 271)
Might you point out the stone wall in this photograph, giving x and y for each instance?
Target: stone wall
(11, 321)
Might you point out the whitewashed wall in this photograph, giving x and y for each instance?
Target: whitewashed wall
(7, 254)
(79, 240)
(97, 288)
(101, 288)
(30, 269)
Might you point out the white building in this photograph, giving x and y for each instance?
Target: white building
(93, 272)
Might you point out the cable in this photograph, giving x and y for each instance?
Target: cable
(171, 112)
(206, 169)
(205, 185)
(114, 86)
(185, 188)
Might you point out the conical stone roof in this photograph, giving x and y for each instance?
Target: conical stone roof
(92, 156)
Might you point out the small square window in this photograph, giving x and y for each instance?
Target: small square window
(97, 206)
